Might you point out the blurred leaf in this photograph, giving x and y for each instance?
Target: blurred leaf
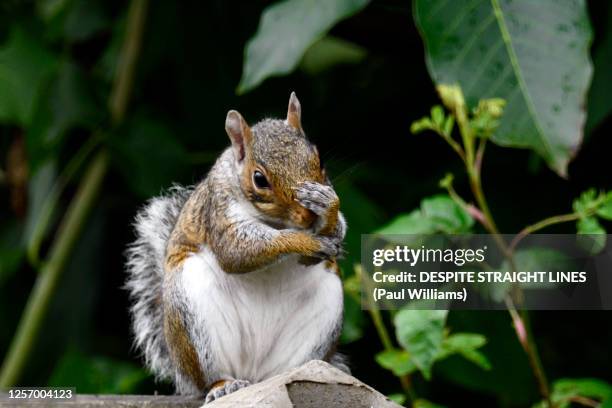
(421, 403)
(398, 361)
(107, 64)
(72, 20)
(530, 260)
(67, 103)
(413, 223)
(437, 116)
(564, 390)
(586, 202)
(39, 188)
(397, 398)
(331, 51)
(24, 66)
(437, 214)
(466, 345)
(286, 29)
(600, 103)
(482, 47)
(605, 211)
(446, 215)
(96, 375)
(421, 333)
(84, 19)
(591, 235)
(352, 329)
(421, 125)
(149, 156)
(509, 365)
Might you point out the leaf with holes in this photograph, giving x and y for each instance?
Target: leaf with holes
(533, 54)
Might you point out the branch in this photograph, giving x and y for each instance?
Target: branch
(39, 299)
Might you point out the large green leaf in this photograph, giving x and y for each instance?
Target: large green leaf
(285, 32)
(534, 54)
(600, 103)
(421, 333)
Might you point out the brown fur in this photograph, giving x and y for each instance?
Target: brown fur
(181, 349)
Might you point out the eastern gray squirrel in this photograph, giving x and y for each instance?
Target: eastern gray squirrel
(235, 279)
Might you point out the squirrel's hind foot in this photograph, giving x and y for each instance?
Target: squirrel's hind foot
(225, 388)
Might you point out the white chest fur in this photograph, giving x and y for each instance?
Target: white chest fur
(259, 324)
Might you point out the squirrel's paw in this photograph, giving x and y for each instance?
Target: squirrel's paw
(224, 389)
(316, 197)
(330, 247)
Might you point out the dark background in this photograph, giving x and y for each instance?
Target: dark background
(359, 115)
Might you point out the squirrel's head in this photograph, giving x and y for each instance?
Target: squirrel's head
(274, 158)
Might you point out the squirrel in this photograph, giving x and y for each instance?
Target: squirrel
(235, 279)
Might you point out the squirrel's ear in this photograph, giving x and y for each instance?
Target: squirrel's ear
(294, 113)
(239, 133)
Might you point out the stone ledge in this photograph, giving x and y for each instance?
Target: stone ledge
(315, 384)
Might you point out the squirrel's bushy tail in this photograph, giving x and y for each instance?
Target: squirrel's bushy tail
(145, 260)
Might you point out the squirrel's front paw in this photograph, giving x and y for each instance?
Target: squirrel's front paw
(226, 388)
(316, 197)
(330, 247)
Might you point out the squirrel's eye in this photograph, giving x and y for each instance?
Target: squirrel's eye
(260, 180)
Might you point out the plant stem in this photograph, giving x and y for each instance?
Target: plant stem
(557, 219)
(473, 163)
(126, 66)
(383, 333)
(46, 282)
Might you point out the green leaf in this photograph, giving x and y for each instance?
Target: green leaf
(539, 65)
(329, 52)
(285, 32)
(586, 387)
(466, 345)
(24, 66)
(605, 211)
(438, 213)
(398, 361)
(85, 19)
(96, 375)
(413, 223)
(437, 115)
(39, 189)
(592, 236)
(397, 398)
(600, 103)
(565, 389)
(421, 333)
(586, 202)
(67, 103)
(421, 403)
(446, 215)
(420, 125)
(529, 260)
